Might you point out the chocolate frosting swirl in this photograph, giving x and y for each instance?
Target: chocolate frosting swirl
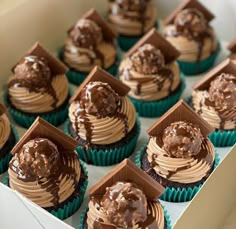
(34, 89)
(100, 116)
(5, 130)
(85, 47)
(182, 154)
(44, 174)
(191, 35)
(124, 205)
(217, 103)
(146, 73)
(131, 17)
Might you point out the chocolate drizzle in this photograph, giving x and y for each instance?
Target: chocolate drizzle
(100, 100)
(40, 161)
(34, 74)
(86, 34)
(221, 96)
(132, 10)
(148, 60)
(192, 24)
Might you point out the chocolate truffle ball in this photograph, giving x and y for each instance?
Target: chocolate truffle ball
(147, 59)
(34, 70)
(125, 204)
(190, 22)
(99, 99)
(38, 158)
(182, 140)
(86, 33)
(223, 91)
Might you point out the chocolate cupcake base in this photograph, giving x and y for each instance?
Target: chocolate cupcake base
(68, 207)
(174, 192)
(104, 155)
(5, 152)
(55, 117)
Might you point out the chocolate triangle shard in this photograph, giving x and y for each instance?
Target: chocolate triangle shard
(189, 4)
(43, 129)
(108, 33)
(129, 172)
(55, 65)
(3, 109)
(179, 112)
(97, 74)
(169, 52)
(227, 66)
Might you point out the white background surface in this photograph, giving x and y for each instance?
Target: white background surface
(225, 24)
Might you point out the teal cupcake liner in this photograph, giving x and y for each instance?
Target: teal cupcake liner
(223, 138)
(109, 156)
(76, 77)
(157, 108)
(194, 68)
(127, 42)
(175, 194)
(84, 213)
(4, 162)
(25, 120)
(70, 207)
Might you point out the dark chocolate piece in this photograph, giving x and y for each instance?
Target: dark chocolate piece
(179, 112)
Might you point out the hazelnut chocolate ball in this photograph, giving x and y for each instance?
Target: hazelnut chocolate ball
(182, 140)
(223, 91)
(86, 33)
(147, 59)
(33, 70)
(99, 99)
(38, 158)
(190, 22)
(125, 204)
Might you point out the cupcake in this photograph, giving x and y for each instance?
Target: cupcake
(131, 19)
(214, 99)
(151, 71)
(232, 48)
(8, 138)
(103, 120)
(90, 42)
(38, 87)
(178, 154)
(45, 168)
(188, 29)
(125, 198)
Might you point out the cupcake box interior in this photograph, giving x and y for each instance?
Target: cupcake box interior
(25, 21)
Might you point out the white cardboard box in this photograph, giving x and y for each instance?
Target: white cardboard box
(22, 22)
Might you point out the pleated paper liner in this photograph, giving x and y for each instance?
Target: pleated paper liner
(126, 42)
(109, 156)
